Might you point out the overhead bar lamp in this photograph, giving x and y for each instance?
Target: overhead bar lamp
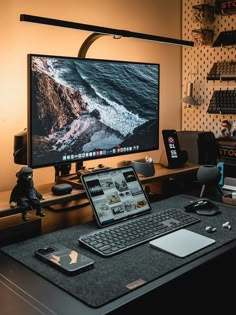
(103, 30)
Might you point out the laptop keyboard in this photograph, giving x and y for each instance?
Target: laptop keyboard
(120, 237)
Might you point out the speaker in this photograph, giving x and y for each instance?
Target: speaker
(20, 148)
(144, 167)
(209, 175)
(201, 147)
(61, 189)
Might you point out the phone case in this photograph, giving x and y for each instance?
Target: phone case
(65, 259)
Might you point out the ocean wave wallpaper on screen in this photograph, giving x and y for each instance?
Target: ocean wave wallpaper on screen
(82, 109)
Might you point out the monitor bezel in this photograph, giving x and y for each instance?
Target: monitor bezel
(80, 161)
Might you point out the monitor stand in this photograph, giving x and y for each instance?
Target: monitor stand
(62, 169)
(78, 166)
(62, 174)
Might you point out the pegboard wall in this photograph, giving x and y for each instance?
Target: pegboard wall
(196, 64)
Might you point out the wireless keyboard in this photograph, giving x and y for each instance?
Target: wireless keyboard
(120, 237)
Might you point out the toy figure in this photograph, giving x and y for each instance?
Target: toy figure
(226, 131)
(234, 128)
(25, 195)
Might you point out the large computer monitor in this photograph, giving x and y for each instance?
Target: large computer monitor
(82, 109)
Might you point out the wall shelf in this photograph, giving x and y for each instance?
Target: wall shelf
(222, 71)
(225, 39)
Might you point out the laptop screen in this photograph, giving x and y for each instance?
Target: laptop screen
(115, 194)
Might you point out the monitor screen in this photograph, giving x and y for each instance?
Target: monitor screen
(82, 109)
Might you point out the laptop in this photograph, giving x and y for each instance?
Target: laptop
(115, 194)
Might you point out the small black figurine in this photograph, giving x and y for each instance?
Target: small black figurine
(25, 195)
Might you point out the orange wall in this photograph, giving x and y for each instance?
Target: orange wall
(18, 39)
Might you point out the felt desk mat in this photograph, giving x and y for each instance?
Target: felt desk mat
(116, 276)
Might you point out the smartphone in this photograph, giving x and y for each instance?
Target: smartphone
(172, 147)
(67, 260)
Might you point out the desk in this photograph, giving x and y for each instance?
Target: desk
(196, 281)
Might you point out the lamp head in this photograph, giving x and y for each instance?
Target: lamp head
(189, 99)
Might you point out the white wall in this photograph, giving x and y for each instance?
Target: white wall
(155, 17)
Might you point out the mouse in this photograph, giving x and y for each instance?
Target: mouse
(203, 207)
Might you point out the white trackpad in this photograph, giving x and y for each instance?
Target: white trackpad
(182, 242)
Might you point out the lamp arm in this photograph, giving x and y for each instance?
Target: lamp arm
(88, 42)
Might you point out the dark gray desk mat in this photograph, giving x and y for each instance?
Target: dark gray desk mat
(110, 277)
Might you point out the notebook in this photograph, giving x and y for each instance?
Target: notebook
(115, 194)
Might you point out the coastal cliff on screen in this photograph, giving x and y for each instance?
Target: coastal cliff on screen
(77, 108)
